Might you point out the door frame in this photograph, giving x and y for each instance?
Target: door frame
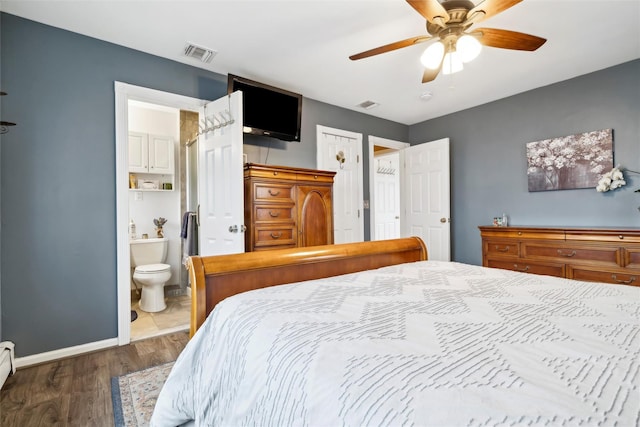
(391, 145)
(123, 93)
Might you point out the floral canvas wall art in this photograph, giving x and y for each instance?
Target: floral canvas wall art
(574, 161)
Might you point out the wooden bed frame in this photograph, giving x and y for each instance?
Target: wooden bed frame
(214, 278)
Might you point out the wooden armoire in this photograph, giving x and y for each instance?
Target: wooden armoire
(286, 207)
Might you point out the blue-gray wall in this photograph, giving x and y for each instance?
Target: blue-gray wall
(58, 241)
(489, 165)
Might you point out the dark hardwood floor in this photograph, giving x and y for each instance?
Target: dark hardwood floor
(77, 391)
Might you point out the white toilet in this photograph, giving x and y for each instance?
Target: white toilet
(147, 256)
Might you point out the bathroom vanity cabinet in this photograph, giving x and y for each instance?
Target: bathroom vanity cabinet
(287, 207)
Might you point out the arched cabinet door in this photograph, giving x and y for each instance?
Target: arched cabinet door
(315, 215)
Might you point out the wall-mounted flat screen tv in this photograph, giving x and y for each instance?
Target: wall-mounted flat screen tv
(268, 110)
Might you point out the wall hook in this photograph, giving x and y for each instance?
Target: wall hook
(341, 159)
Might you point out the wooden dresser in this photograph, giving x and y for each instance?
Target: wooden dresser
(594, 254)
(287, 207)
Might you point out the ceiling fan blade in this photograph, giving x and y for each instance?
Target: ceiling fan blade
(431, 10)
(506, 39)
(391, 46)
(488, 8)
(429, 75)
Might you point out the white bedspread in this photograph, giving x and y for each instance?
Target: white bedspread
(426, 344)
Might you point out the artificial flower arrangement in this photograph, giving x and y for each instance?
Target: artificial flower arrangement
(159, 222)
(611, 180)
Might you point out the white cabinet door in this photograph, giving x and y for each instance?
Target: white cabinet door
(161, 154)
(138, 152)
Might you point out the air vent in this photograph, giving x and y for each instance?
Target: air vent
(200, 53)
(367, 105)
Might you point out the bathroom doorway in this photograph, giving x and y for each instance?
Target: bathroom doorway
(160, 195)
(137, 109)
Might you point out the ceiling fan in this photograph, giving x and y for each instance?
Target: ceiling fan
(450, 23)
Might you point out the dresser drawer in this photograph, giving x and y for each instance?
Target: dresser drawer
(523, 266)
(571, 253)
(631, 258)
(522, 233)
(275, 236)
(614, 236)
(607, 276)
(263, 191)
(267, 213)
(502, 248)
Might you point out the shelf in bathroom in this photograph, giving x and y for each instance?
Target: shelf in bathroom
(159, 190)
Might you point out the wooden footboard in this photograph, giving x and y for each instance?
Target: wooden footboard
(214, 278)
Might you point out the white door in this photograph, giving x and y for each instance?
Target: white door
(387, 196)
(220, 177)
(341, 151)
(426, 196)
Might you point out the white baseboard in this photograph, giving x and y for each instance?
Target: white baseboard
(48, 356)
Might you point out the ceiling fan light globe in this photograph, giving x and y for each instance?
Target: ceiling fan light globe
(468, 47)
(432, 56)
(452, 63)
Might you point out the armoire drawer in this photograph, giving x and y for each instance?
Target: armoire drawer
(548, 269)
(275, 236)
(603, 255)
(264, 191)
(274, 213)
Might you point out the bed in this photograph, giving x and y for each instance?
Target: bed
(374, 334)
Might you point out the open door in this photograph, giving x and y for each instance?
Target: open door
(220, 177)
(426, 197)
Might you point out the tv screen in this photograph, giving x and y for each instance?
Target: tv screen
(268, 110)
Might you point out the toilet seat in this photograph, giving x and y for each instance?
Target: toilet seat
(152, 268)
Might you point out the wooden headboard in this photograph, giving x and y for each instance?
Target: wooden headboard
(214, 278)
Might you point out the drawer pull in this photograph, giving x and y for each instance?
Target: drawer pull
(621, 237)
(522, 270)
(624, 282)
(505, 249)
(568, 255)
(276, 236)
(519, 233)
(274, 193)
(274, 214)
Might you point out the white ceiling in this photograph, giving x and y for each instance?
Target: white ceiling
(303, 45)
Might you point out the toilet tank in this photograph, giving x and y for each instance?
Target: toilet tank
(148, 251)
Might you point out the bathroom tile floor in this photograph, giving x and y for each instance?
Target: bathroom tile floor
(172, 319)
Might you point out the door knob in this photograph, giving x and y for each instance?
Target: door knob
(443, 220)
(235, 228)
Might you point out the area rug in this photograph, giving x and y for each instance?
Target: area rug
(134, 395)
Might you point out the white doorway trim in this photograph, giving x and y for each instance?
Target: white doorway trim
(123, 93)
(381, 142)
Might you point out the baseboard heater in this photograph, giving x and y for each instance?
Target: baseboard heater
(7, 363)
